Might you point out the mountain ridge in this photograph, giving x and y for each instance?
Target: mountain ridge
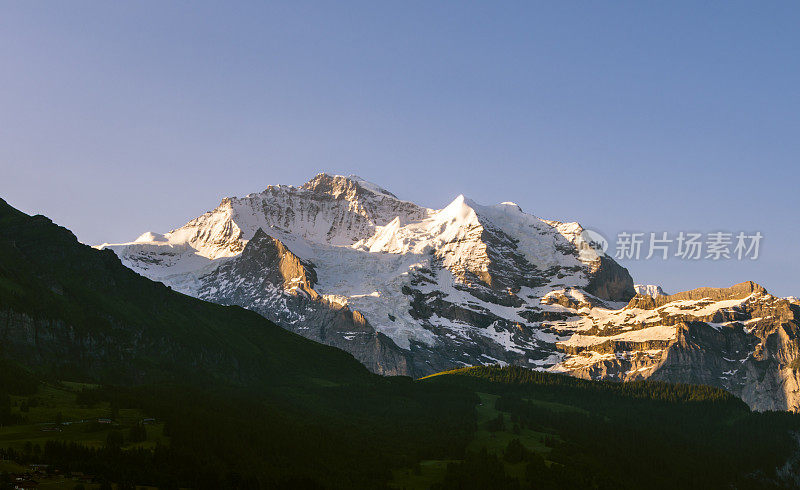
(412, 290)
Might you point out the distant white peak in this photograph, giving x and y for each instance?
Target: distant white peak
(510, 206)
(150, 237)
(653, 290)
(460, 210)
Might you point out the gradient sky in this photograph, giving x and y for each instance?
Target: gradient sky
(122, 117)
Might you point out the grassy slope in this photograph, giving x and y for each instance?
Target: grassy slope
(496, 441)
(612, 435)
(53, 402)
(79, 422)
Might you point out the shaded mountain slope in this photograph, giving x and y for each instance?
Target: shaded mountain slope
(68, 308)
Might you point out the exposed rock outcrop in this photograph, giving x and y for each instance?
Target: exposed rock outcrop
(738, 291)
(740, 338)
(610, 280)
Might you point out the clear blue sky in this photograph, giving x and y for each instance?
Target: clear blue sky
(122, 117)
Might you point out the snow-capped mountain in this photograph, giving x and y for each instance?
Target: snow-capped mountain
(649, 289)
(411, 290)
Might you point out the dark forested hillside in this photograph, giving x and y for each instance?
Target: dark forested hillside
(626, 435)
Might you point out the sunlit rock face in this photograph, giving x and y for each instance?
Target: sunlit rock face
(741, 339)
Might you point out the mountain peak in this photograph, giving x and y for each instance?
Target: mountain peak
(347, 187)
(649, 290)
(460, 209)
(259, 235)
(149, 237)
(274, 260)
(509, 206)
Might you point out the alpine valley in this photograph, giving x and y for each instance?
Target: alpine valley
(111, 380)
(414, 291)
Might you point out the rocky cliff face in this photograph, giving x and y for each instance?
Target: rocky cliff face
(110, 355)
(740, 338)
(411, 290)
